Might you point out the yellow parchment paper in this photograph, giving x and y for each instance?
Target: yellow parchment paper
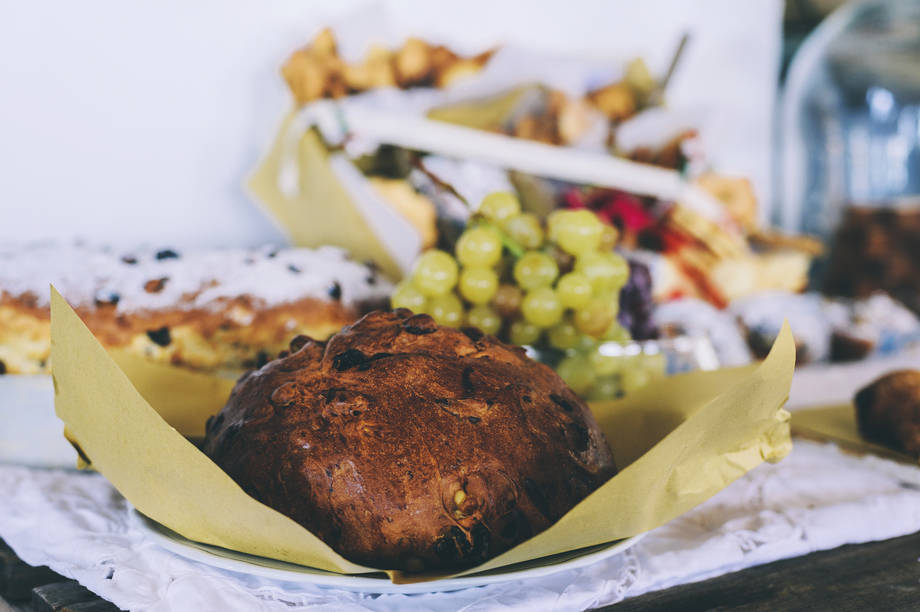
(322, 212)
(677, 443)
(181, 397)
(838, 424)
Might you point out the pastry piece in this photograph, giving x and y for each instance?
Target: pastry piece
(317, 71)
(220, 310)
(888, 411)
(699, 319)
(413, 62)
(457, 71)
(411, 205)
(405, 445)
(616, 100)
(761, 317)
(736, 194)
(846, 346)
(375, 71)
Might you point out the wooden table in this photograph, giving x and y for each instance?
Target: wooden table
(876, 576)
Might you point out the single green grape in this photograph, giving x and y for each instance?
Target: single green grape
(609, 238)
(617, 333)
(435, 273)
(405, 295)
(554, 221)
(478, 285)
(499, 206)
(479, 246)
(576, 371)
(534, 270)
(606, 365)
(523, 332)
(586, 343)
(485, 318)
(525, 230)
(612, 297)
(574, 290)
(595, 316)
(507, 300)
(563, 336)
(446, 310)
(542, 307)
(579, 231)
(605, 271)
(606, 388)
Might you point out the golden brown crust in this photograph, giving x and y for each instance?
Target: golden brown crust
(405, 445)
(214, 310)
(888, 411)
(229, 335)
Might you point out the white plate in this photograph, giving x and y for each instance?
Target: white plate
(368, 583)
(30, 432)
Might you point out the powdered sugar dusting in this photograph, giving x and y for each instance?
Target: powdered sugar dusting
(152, 279)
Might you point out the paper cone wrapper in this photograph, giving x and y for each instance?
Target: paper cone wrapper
(330, 202)
(677, 443)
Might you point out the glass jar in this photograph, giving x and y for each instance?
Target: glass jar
(850, 154)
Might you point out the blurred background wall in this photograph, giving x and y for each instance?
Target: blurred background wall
(130, 122)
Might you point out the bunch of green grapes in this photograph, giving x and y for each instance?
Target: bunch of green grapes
(530, 284)
(596, 375)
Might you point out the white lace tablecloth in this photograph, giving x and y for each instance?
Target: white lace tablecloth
(815, 499)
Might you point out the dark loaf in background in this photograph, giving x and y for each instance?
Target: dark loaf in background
(888, 411)
(406, 445)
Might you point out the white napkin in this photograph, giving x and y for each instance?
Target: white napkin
(817, 498)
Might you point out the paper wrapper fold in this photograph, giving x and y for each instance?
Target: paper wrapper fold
(677, 443)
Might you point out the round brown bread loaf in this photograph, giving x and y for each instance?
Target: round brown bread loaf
(405, 445)
(888, 411)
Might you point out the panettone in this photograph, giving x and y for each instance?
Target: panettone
(405, 445)
(218, 310)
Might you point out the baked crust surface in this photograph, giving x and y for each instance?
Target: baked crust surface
(405, 445)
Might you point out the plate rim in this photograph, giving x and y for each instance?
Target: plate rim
(238, 562)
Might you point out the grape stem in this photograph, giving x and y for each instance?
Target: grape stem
(416, 162)
(507, 241)
(513, 247)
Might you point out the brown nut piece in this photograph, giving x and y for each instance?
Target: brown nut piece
(406, 445)
(737, 194)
